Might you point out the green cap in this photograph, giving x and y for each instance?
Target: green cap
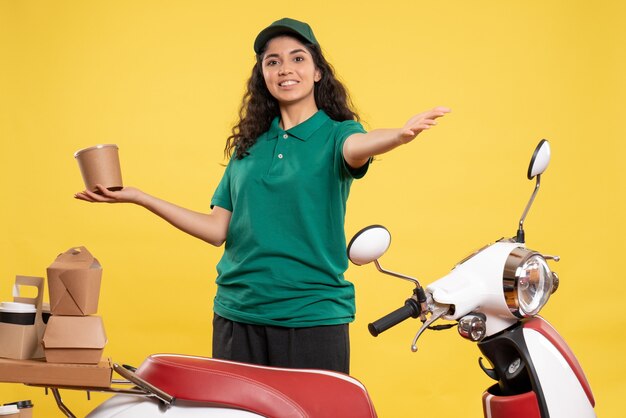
(284, 26)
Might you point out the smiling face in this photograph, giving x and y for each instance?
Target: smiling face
(289, 71)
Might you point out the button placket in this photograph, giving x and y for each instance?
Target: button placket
(279, 147)
(277, 165)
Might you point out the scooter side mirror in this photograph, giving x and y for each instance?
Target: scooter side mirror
(538, 164)
(369, 244)
(540, 159)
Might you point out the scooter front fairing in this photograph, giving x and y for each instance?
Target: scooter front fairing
(537, 373)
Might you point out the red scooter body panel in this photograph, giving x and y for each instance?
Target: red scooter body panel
(517, 406)
(544, 328)
(267, 391)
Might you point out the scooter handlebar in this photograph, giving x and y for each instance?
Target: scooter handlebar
(411, 309)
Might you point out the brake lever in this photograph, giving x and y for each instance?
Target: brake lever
(438, 312)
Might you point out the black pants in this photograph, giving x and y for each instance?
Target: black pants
(324, 347)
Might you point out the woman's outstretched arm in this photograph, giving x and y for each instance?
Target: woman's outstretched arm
(210, 227)
(359, 148)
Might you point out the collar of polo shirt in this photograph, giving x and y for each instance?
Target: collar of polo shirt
(302, 131)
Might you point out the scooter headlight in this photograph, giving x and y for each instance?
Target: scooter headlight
(528, 282)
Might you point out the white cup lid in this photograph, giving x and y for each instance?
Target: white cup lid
(9, 410)
(17, 307)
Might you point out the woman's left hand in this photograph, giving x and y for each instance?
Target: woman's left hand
(421, 122)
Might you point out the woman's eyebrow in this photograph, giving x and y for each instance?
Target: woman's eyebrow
(276, 55)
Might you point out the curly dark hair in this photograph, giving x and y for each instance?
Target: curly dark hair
(259, 107)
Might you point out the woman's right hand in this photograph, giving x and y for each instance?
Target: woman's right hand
(104, 195)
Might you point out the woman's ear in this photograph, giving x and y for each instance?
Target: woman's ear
(318, 75)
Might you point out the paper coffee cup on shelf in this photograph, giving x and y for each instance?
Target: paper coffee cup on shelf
(9, 411)
(17, 313)
(25, 408)
(100, 164)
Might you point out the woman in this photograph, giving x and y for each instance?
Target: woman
(282, 299)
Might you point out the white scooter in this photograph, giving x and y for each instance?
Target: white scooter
(495, 295)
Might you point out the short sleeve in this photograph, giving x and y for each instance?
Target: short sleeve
(222, 195)
(346, 129)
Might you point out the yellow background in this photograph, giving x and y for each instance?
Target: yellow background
(164, 79)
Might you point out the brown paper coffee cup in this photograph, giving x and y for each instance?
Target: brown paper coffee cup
(100, 164)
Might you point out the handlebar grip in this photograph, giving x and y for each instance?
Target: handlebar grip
(411, 309)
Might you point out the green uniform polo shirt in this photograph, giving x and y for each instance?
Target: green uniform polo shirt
(285, 251)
